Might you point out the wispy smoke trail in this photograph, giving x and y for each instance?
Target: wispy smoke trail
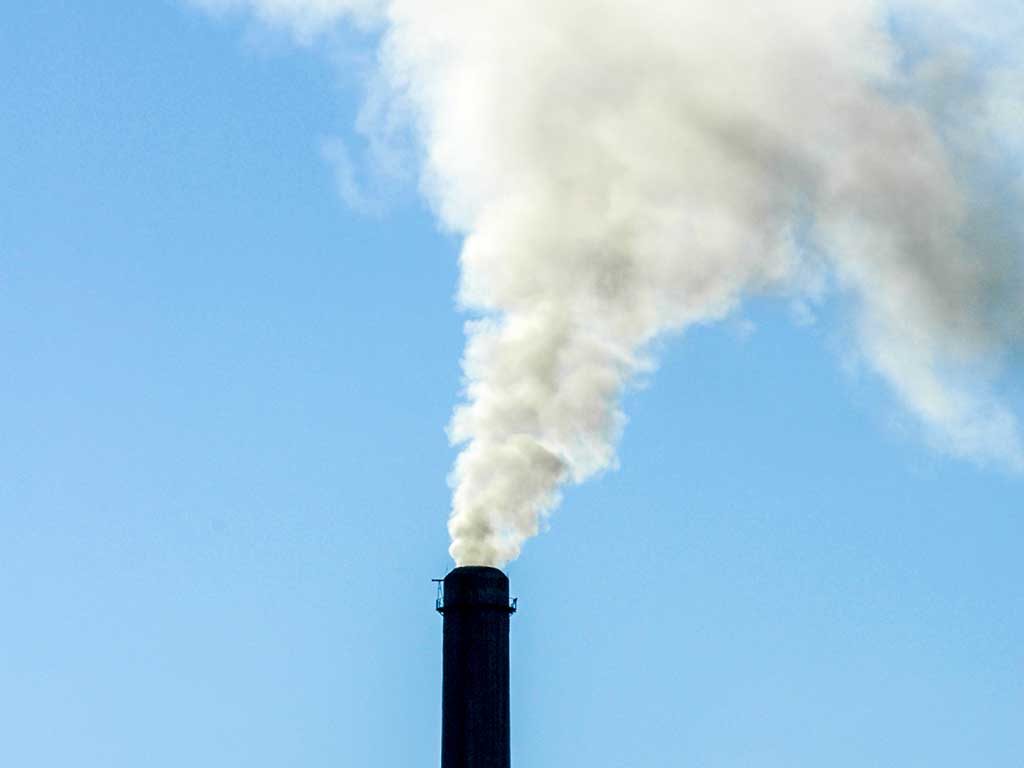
(626, 168)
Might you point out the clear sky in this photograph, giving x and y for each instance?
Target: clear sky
(223, 403)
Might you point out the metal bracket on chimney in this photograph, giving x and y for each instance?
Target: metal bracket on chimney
(439, 603)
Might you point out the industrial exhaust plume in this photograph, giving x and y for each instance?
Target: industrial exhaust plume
(624, 169)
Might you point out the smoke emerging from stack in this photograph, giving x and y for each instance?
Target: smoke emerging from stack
(622, 169)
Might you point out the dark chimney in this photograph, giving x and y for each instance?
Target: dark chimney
(474, 699)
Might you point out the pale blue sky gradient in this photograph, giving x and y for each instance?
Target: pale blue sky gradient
(223, 400)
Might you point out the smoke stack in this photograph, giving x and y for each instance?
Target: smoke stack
(475, 700)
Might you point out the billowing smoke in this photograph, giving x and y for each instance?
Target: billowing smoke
(623, 169)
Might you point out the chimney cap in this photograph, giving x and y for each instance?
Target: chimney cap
(475, 586)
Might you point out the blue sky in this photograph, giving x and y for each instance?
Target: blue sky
(223, 399)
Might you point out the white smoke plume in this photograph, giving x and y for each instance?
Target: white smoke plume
(622, 169)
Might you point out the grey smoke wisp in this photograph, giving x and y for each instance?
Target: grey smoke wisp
(623, 169)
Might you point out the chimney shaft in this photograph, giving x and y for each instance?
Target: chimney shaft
(474, 706)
